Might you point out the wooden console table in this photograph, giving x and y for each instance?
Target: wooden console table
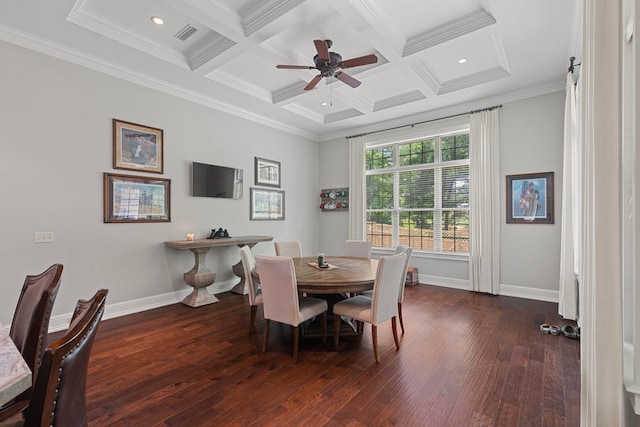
(199, 277)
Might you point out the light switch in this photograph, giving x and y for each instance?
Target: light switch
(43, 236)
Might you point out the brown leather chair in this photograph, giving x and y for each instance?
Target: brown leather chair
(59, 393)
(30, 326)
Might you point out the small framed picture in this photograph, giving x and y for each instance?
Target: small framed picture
(267, 172)
(137, 147)
(266, 204)
(530, 198)
(136, 198)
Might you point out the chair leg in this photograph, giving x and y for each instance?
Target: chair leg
(252, 319)
(296, 338)
(395, 332)
(266, 335)
(400, 316)
(336, 329)
(374, 335)
(323, 326)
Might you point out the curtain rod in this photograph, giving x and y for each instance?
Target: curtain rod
(427, 121)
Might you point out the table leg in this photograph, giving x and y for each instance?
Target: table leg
(238, 270)
(199, 277)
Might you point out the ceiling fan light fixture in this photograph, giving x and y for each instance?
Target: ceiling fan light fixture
(330, 64)
(157, 20)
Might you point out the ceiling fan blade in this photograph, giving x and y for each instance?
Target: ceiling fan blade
(295, 67)
(313, 82)
(361, 60)
(345, 78)
(323, 50)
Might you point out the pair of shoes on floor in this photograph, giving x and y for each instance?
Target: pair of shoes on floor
(545, 328)
(570, 331)
(567, 330)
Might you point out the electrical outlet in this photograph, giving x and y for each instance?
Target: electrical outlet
(43, 236)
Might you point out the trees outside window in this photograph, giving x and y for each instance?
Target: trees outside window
(418, 194)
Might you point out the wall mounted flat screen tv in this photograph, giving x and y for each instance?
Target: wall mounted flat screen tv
(216, 181)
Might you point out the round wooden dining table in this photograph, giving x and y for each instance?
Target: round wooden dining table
(344, 275)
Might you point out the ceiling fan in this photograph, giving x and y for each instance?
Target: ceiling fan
(331, 64)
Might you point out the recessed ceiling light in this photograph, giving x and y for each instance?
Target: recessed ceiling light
(324, 104)
(157, 20)
(462, 60)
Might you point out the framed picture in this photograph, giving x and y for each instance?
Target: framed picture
(136, 199)
(530, 198)
(267, 172)
(266, 204)
(137, 147)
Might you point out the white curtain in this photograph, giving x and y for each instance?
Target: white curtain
(570, 243)
(357, 146)
(484, 215)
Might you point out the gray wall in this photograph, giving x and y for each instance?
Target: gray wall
(56, 136)
(531, 139)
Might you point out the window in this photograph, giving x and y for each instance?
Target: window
(418, 194)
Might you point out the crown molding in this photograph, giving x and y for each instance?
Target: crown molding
(376, 16)
(458, 27)
(264, 12)
(437, 113)
(402, 99)
(230, 80)
(209, 49)
(427, 75)
(342, 115)
(286, 94)
(474, 79)
(304, 112)
(98, 64)
(99, 24)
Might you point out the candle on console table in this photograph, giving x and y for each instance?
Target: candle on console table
(190, 237)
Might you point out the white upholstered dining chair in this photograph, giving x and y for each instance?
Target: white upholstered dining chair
(400, 249)
(406, 250)
(281, 302)
(357, 248)
(292, 248)
(381, 306)
(255, 295)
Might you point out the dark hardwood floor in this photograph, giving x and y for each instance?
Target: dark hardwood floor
(466, 359)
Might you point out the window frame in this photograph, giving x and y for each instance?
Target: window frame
(444, 128)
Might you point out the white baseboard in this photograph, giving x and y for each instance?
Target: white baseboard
(529, 293)
(61, 322)
(506, 290)
(445, 282)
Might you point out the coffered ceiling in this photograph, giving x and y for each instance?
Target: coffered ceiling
(223, 53)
